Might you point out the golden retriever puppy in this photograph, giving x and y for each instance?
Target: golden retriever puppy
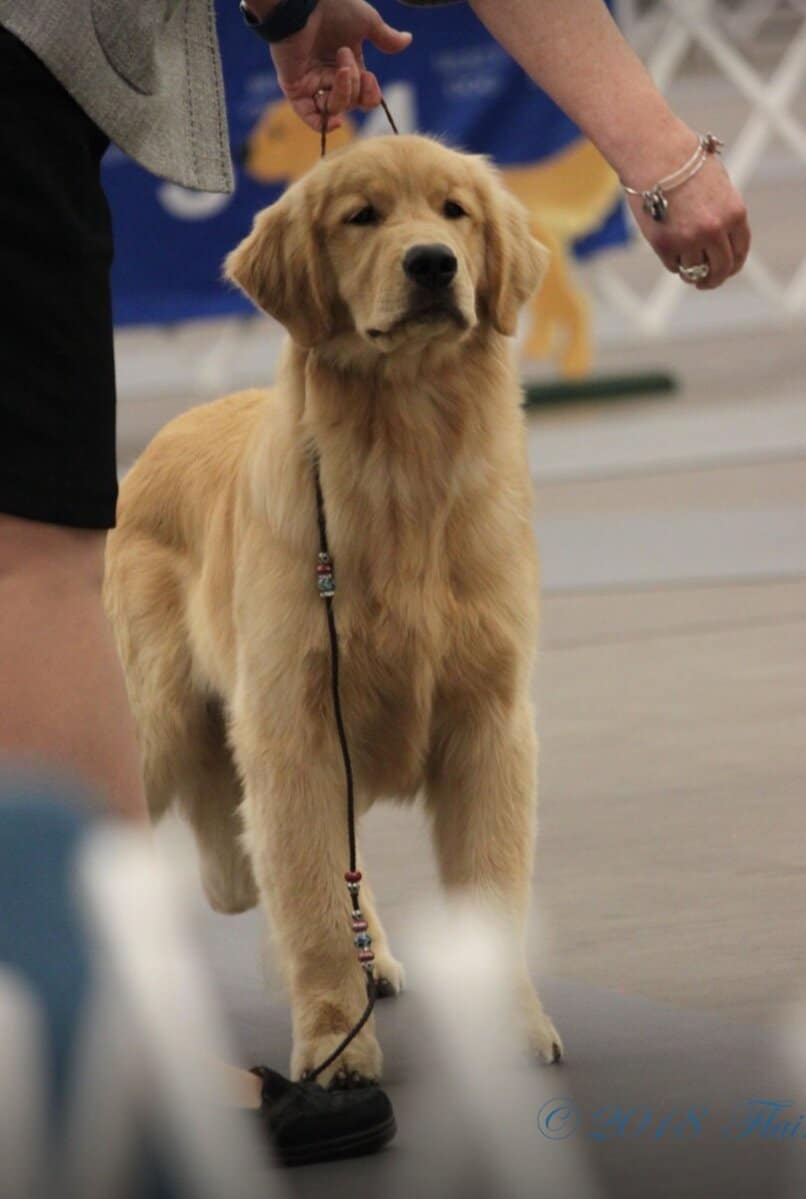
(398, 268)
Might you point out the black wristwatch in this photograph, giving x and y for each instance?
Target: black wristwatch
(284, 21)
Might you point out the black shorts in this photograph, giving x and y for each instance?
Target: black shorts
(57, 374)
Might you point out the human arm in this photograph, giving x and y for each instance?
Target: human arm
(575, 51)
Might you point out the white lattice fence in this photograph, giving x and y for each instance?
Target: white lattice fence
(725, 31)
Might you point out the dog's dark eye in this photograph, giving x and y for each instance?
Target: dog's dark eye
(364, 216)
(453, 211)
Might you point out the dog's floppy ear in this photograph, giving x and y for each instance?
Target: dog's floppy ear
(281, 267)
(516, 261)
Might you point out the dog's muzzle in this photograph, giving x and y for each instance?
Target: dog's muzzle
(431, 270)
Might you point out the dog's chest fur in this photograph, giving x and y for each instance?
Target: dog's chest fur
(427, 506)
(416, 649)
(390, 671)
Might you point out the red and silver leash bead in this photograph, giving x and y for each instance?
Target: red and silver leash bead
(325, 580)
(361, 937)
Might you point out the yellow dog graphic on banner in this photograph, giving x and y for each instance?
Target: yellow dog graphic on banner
(568, 195)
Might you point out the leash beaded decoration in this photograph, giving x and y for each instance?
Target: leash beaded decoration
(326, 587)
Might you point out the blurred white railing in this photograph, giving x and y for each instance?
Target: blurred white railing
(150, 1037)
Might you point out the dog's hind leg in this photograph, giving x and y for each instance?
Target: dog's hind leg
(209, 798)
(143, 597)
(181, 734)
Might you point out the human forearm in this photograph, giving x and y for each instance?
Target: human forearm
(575, 51)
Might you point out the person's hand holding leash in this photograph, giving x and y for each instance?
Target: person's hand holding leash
(327, 55)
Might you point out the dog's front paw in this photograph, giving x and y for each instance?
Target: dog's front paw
(360, 1063)
(320, 1031)
(390, 976)
(544, 1040)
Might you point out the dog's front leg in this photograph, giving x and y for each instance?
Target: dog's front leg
(481, 792)
(297, 836)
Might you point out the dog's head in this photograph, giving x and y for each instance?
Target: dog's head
(396, 241)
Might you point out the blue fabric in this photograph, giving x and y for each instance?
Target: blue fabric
(41, 832)
(458, 82)
(42, 829)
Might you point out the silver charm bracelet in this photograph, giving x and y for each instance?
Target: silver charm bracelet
(654, 198)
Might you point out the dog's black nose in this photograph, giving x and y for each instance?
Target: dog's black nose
(430, 266)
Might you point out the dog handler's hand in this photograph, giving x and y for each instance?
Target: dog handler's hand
(706, 221)
(328, 55)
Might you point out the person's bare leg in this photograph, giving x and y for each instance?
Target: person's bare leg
(64, 703)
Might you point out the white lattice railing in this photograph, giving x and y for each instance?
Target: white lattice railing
(665, 33)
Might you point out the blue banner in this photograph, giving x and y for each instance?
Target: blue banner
(455, 82)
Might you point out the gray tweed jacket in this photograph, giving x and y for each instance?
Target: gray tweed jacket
(146, 71)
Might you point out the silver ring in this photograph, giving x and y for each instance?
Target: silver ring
(322, 91)
(693, 274)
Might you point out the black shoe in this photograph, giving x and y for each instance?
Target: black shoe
(308, 1124)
